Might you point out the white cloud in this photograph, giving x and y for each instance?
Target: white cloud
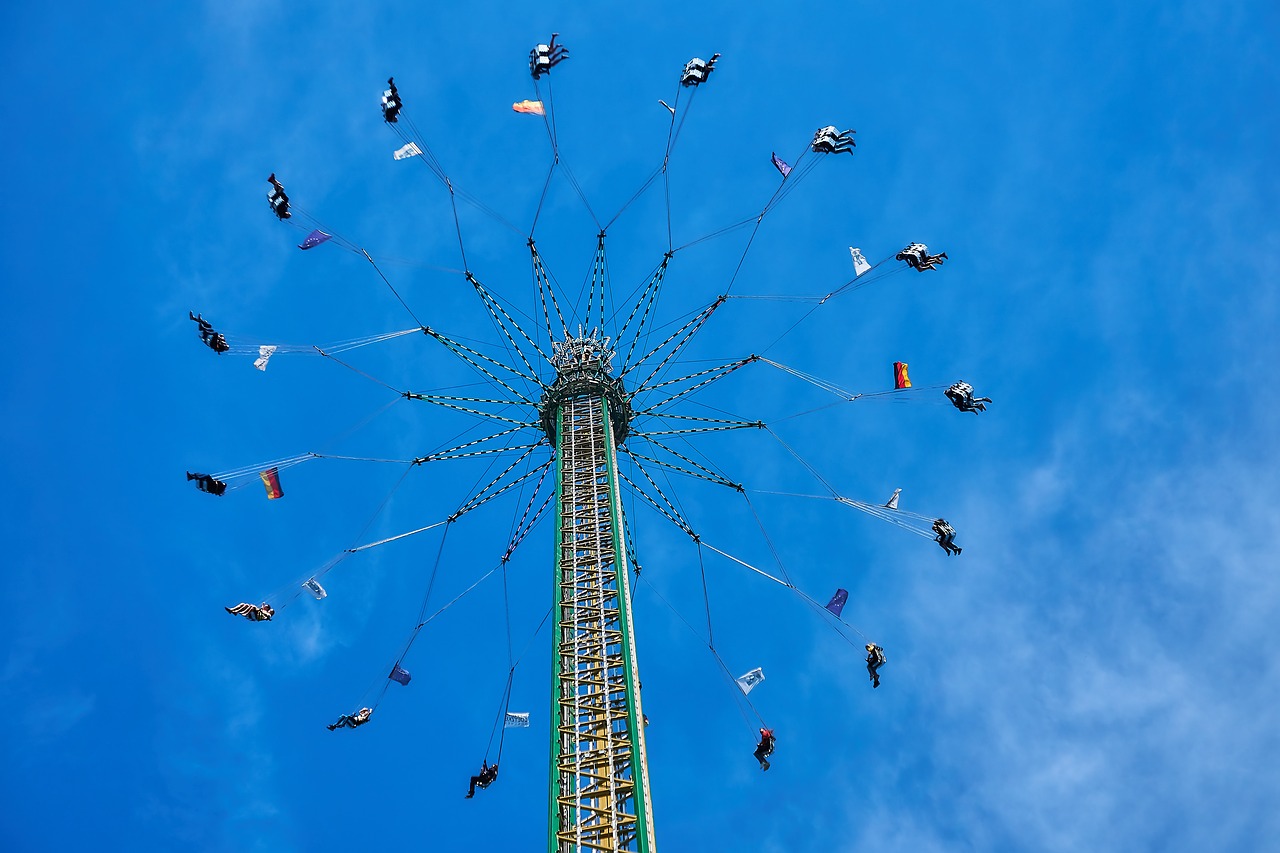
(1118, 699)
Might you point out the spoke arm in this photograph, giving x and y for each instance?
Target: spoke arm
(695, 430)
(597, 278)
(526, 523)
(443, 402)
(488, 451)
(495, 309)
(717, 474)
(723, 372)
(668, 416)
(676, 517)
(470, 356)
(727, 368)
(709, 476)
(443, 453)
(670, 516)
(544, 290)
(490, 490)
(647, 298)
(688, 330)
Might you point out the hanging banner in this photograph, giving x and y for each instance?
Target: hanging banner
(404, 152)
(748, 681)
(860, 264)
(900, 378)
(264, 353)
(271, 481)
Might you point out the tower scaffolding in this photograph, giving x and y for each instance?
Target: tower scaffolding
(599, 772)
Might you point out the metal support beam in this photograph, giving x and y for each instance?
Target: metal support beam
(599, 773)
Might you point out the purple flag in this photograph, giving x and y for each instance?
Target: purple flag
(400, 675)
(836, 604)
(782, 166)
(315, 238)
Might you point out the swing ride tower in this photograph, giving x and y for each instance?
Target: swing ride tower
(599, 772)
(599, 792)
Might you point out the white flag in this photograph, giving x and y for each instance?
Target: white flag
(404, 153)
(750, 680)
(312, 586)
(893, 501)
(516, 721)
(860, 264)
(264, 353)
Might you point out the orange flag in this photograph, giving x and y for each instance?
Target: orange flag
(533, 107)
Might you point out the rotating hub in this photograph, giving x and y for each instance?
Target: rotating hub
(583, 369)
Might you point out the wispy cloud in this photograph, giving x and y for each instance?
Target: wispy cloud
(1119, 699)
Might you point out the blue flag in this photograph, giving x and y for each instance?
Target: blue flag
(836, 604)
(782, 166)
(400, 675)
(315, 238)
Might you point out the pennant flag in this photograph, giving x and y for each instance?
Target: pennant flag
(836, 604)
(532, 107)
(516, 721)
(400, 675)
(271, 480)
(404, 152)
(892, 503)
(264, 353)
(750, 680)
(668, 106)
(312, 586)
(860, 264)
(782, 167)
(315, 238)
(900, 378)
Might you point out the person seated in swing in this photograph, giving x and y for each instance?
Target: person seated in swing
(961, 396)
(352, 721)
(253, 612)
(765, 748)
(488, 772)
(875, 660)
(206, 328)
(546, 56)
(946, 536)
(214, 340)
(696, 71)
(206, 483)
(278, 199)
(391, 103)
(918, 258)
(828, 140)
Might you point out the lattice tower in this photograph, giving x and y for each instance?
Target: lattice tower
(599, 772)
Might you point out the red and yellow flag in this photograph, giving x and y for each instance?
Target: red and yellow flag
(900, 378)
(271, 479)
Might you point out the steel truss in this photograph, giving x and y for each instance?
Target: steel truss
(599, 768)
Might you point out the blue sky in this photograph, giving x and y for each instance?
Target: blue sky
(1095, 672)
